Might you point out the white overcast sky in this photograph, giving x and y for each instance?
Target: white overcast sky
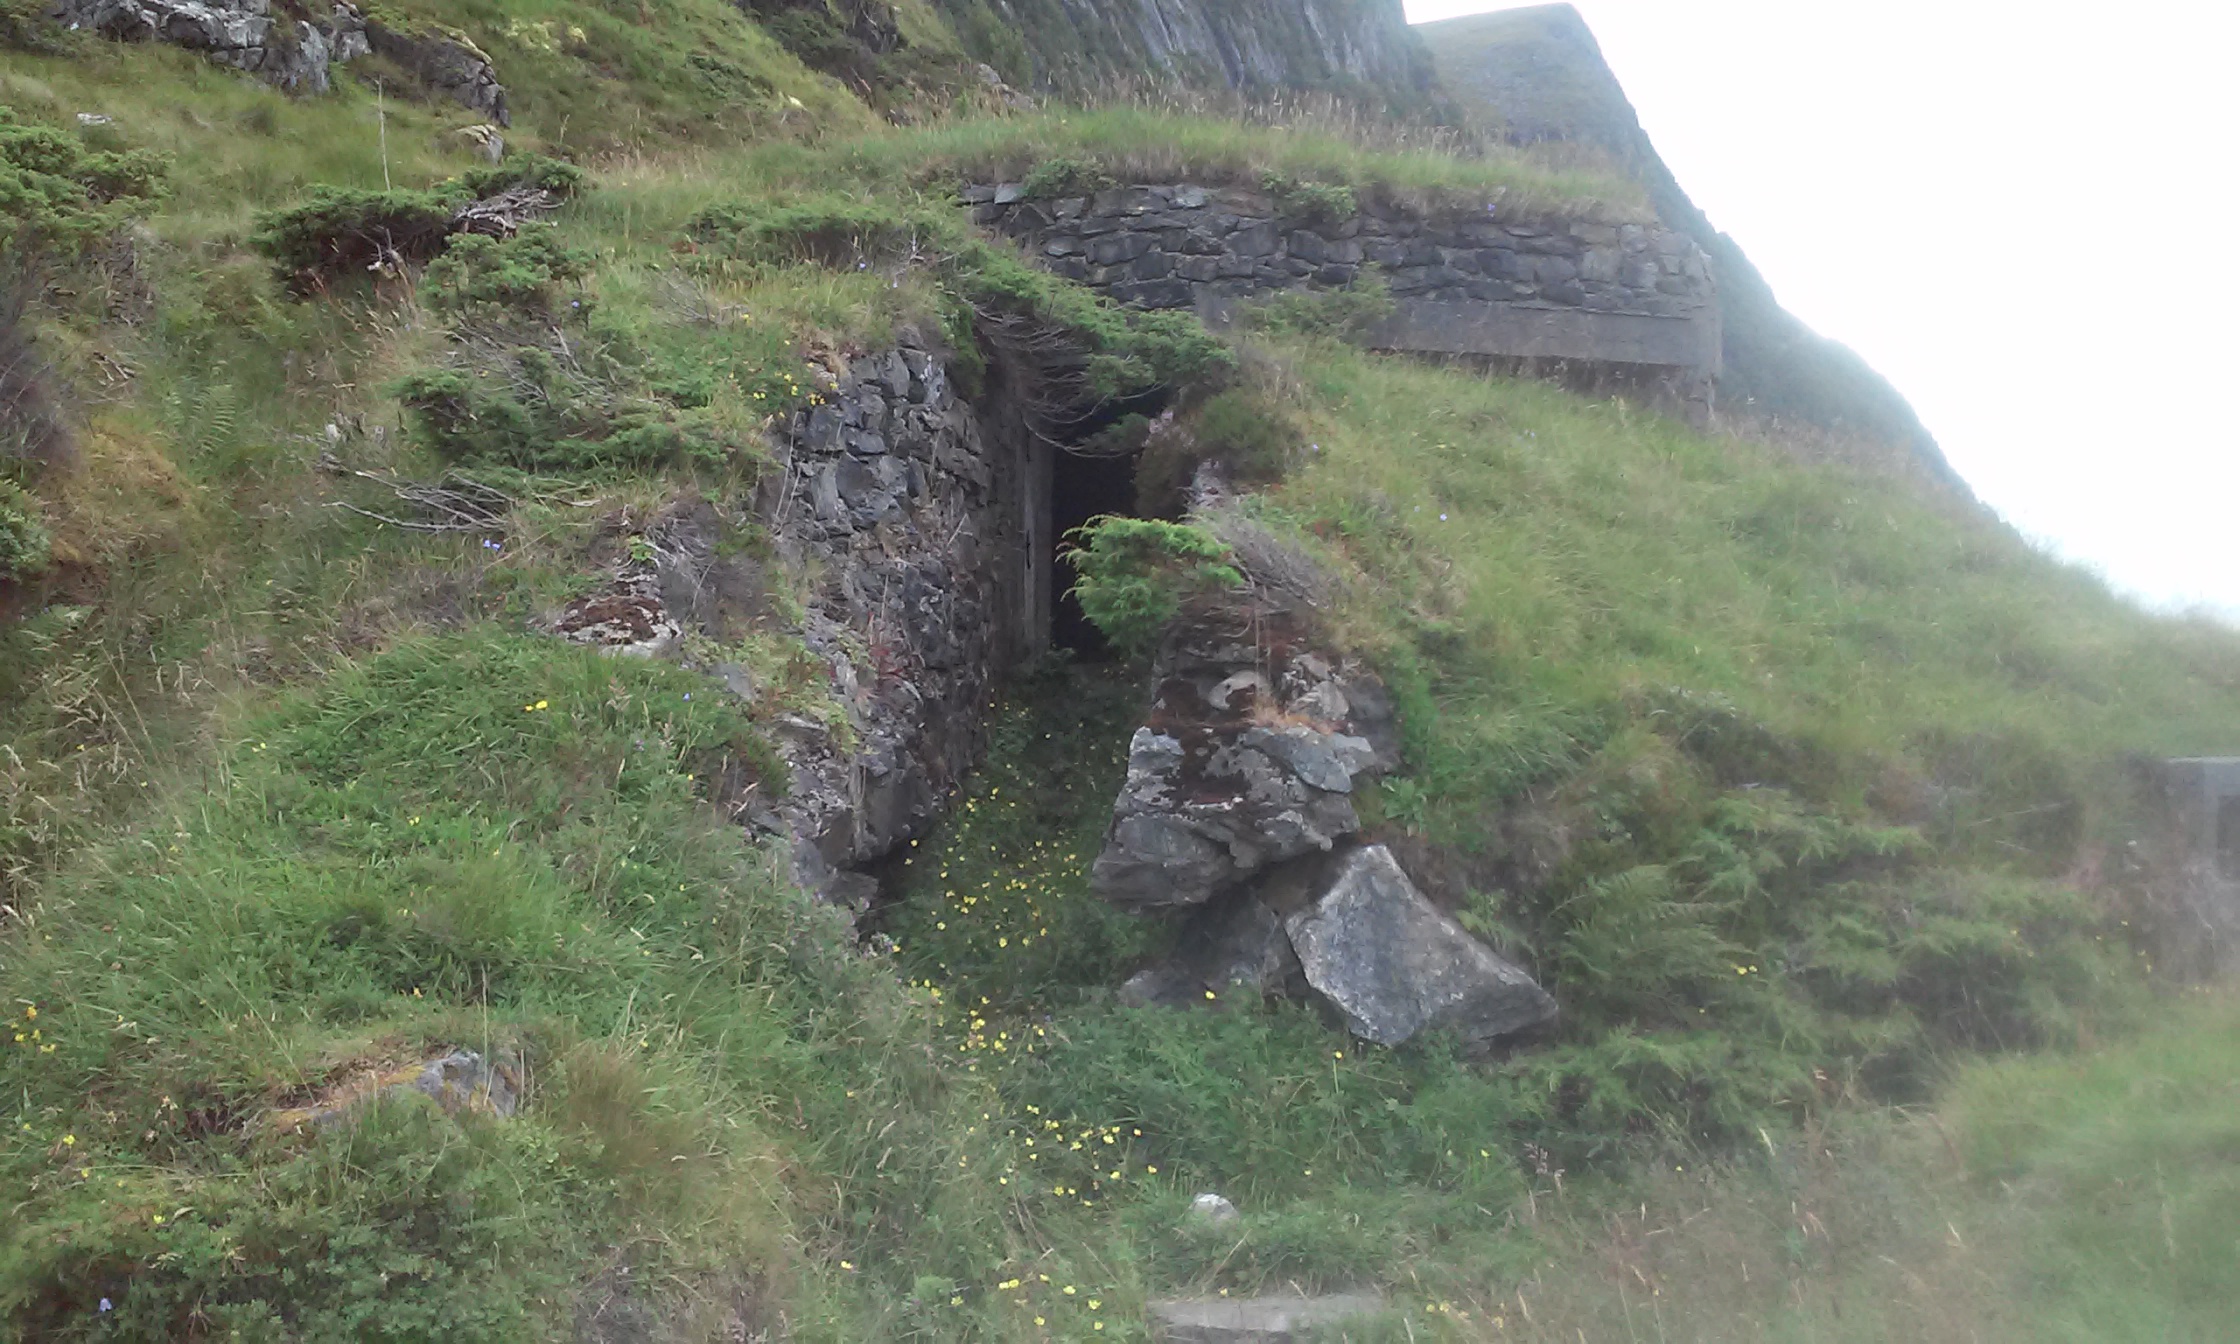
(2021, 213)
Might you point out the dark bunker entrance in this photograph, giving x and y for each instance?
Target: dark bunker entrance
(1082, 487)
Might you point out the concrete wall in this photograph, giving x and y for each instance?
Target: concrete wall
(1585, 292)
(2199, 855)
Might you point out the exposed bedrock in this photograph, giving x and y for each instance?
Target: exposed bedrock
(1238, 817)
(294, 52)
(1248, 758)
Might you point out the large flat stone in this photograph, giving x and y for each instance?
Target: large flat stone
(1393, 965)
(1254, 1320)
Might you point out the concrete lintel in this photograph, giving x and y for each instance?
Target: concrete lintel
(1526, 331)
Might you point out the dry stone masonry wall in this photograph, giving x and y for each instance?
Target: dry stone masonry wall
(910, 521)
(1486, 283)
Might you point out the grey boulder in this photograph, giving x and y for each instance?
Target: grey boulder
(1393, 965)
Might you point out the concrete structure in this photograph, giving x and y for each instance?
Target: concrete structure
(2198, 858)
(1620, 302)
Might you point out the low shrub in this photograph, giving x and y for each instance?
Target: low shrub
(523, 273)
(1134, 574)
(1348, 314)
(1309, 202)
(24, 542)
(344, 231)
(57, 195)
(336, 232)
(562, 180)
(1061, 176)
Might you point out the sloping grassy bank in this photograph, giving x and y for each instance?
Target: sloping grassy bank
(1795, 784)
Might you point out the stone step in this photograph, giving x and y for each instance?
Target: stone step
(1281, 1319)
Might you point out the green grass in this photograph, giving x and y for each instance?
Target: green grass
(1139, 144)
(1797, 784)
(2070, 1199)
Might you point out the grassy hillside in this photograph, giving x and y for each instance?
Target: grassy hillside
(1804, 788)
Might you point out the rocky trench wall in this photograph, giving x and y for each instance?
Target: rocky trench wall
(909, 521)
(1615, 296)
(902, 524)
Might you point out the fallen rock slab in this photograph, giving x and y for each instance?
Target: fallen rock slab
(1255, 1320)
(1393, 965)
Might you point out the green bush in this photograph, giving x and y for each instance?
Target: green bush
(563, 180)
(523, 273)
(338, 232)
(1134, 574)
(56, 195)
(1348, 314)
(1057, 177)
(1310, 202)
(25, 545)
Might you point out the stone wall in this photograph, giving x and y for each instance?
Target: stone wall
(908, 521)
(1483, 284)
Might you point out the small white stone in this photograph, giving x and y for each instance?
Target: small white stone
(1212, 1210)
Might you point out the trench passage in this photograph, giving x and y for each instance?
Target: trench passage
(1082, 488)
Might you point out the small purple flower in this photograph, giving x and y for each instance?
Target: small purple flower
(105, 1307)
(688, 695)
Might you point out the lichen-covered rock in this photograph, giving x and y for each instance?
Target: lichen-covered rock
(294, 53)
(1393, 965)
(626, 615)
(450, 64)
(1249, 760)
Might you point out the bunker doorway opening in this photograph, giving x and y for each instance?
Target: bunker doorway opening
(1088, 480)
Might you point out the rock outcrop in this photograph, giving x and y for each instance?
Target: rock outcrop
(1248, 759)
(1352, 933)
(449, 64)
(462, 1082)
(1238, 815)
(292, 52)
(1393, 965)
(1362, 48)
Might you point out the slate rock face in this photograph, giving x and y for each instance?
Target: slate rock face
(294, 53)
(1249, 760)
(1393, 965)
